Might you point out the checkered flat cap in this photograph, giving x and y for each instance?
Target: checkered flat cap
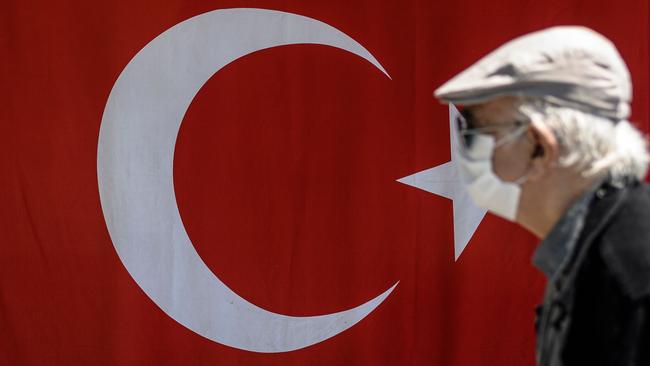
(567, 65)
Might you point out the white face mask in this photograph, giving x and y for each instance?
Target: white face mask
(486, 188)
(475, 167)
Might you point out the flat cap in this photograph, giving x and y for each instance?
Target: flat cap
(567, 65)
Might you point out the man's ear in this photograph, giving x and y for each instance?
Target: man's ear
(545, 150)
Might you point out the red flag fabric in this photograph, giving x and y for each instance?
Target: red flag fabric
(285, 172)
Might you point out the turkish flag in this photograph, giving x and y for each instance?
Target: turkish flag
(218, 182)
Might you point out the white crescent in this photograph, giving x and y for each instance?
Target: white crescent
(135, 154)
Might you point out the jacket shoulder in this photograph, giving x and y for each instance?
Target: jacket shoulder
(625, 243)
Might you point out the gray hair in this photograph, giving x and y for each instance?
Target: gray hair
(593, 144)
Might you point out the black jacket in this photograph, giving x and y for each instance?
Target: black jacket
(597, 309)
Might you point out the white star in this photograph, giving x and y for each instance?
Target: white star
(444, 181)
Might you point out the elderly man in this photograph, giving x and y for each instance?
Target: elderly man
(545, 142)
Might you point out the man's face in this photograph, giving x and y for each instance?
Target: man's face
(511, 160)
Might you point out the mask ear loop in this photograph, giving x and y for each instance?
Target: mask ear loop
(513, 135)
(531, 116)
(521, 180)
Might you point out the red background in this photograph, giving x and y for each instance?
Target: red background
(285, 173)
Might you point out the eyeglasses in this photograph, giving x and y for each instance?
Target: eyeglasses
(467, 129)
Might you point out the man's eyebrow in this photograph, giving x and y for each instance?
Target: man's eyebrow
(470, 118)
(468, 115)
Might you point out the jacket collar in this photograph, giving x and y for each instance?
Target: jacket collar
(576, 229)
